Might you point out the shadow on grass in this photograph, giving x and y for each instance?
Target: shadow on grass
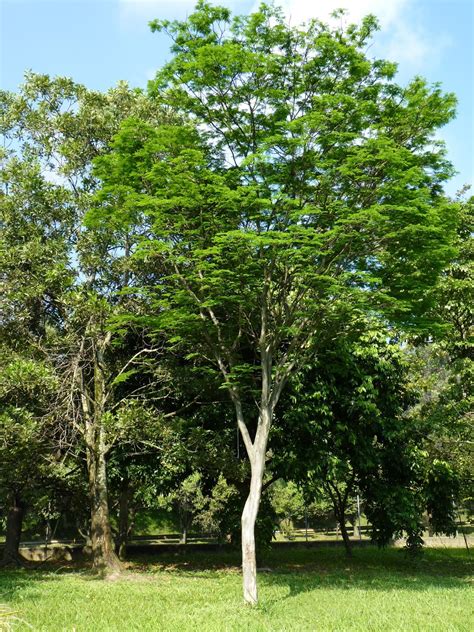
(374, 570)
(298, 571)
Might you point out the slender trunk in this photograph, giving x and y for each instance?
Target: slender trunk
(270, 392)
(184, 532)
(345, 535)
(104, 558)
(249, 517)
(339, 502)
(124, 525)
(250, 512)
(11, 554)
(355, 527)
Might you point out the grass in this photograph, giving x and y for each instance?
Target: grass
(314, 589)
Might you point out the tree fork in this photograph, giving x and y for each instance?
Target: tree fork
(250, 512)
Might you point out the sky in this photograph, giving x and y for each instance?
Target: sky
(99, 42)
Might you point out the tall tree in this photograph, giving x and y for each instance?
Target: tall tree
(62, 281)
(315, 182)
(443, 367)
(34, 230)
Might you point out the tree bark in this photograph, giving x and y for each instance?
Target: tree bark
(11, 553)
(345, 535)
(104, 558)
(250, 512)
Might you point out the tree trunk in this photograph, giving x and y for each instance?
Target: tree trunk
(184, 532)
(11, 554)
(339, 502)
(104, 558)
(345, 535)
(256, 450)
(355, 527)
(250, 512)
(249, 517)
(124, 526)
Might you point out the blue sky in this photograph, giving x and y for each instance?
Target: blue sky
(99, 42)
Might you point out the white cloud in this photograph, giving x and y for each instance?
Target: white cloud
(412, 46)
(387, 11)
(402, 38)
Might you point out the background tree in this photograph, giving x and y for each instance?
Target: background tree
(28, 464)
(352, 432)
(35, 225)
(289, 505)
(61, 275)
(442, 368)
(341, 412)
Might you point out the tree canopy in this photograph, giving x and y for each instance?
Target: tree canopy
(307, 184)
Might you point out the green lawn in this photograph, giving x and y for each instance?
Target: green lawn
(316, 589)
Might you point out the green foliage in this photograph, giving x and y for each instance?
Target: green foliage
(287, 500)
(36, 222)
(288, 503)
(28, 465)
(443, 370)
(344, 405)
(332, 192)
(189, 497)
(394, 499)
(347, 427)
(455, 291)
(442, 489)
(216, 516)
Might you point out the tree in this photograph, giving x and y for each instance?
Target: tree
(62, 281)
(314, 183)
(346, 426)
(288, 503)
(145, 462)
(34, 227)
(27, 465)
(341, 412)
(442, 368)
